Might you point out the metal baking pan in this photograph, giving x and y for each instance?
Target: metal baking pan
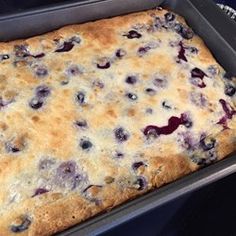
(213, 25)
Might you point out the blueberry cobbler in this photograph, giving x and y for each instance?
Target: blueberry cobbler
(93, 115)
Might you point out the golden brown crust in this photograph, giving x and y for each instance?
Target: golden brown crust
(110, 172)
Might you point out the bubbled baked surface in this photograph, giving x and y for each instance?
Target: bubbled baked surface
(95, 114)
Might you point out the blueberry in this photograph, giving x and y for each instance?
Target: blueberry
(133, 34)
(132, 96)
(40, 55)
(21, 51)
(187, 33)
(166, 105)
(169, 16)
(120, 53)
(197, 73)
(141, 183)
(160, 82)
(10, 147)
(4, 57)
(181, 53)
(150, 91)
(36, 103)
(230, 90)
(65, 47)
(121, 134)
(80, 97)
(40, 70)
(42, 91)
(184, 31)
(73, 70)
(136, 165)
(207, 143)
(85, 144)
(178, 28)
(40, 191)
(149, 110)
(213, 70)
(103, 63)
(118, 154)
(143, 50)
(132, 79)
(81, 123)
(25, 223)
(4, 103)
(66, 170)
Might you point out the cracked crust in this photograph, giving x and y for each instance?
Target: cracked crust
(50, 132)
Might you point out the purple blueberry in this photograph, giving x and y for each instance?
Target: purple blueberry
(132, 96)
(80, 98)
(136, 165)
(187, 141)
(208, 158)
(99, 84)
(169, 16)
(66, 170)
(73, 70)
(121, 134)
(131, 79)
(187, 33)
(212, 70)
(39, 191)
(160, 82)
(143, 50)
(103, 63)
(133, 34)
(85, 144)
(197, 73)
(25, 223)
(81, 124)
(65, 47)
(184, 31)
(141, 183)
(40, 70)
(4, 57)
(150, 91)
(40, 55)
(228, 109)
(173, 124)
(230, 90)
(181, 54)
(36, 103)
(117, 154)
(11, 148)
(4, 103)
(197, 76)
(120, 53)
(149, 110)
(42, 91)
(207, 143)
(166, 105)
(21, 51)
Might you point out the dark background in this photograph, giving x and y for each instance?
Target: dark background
(210, 211)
